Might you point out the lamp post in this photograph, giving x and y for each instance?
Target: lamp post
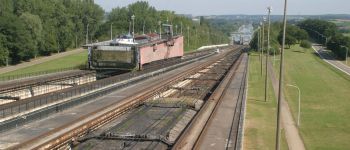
(280, 87)
(346, 55)
(299, 93)
(188, 36)
(176, 29)
(87, 34)
(133, 27)
(267, 59)
(160, 29)
(181, 28)
(111, 31)
(262, 44)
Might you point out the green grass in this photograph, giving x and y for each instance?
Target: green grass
(347, 34)
(325, 96)
(260, 127)
(70, 61)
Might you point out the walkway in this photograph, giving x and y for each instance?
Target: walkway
(330, 59)
(39, 61)
(291, 131)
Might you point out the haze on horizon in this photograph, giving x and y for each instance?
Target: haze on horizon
(249, 7)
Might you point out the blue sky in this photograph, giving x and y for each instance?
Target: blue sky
(221, 7)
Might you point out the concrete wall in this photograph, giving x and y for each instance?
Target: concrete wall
(47, 88)
(161, 51)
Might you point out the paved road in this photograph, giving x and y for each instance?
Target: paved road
(39, 61)
(293, 137)
(330, 59)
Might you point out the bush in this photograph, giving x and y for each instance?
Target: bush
(305, 44)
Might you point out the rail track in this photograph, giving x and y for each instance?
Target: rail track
(20, 111)
(65, 135)
(197, 136)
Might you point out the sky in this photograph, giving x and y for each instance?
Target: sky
(249, 7)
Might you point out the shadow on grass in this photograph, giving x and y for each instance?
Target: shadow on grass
(257, 100)
(299, 51)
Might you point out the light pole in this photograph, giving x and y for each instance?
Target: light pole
(176, 29)
(133, 27)
(268, 48)
(87, 34)
(188, 36)
(259, 48)
(262, 45)
(346, 55)
(280, 87)
(160, 29)
(181, 28)
(111, 31)
(267, 59)
(299, 93)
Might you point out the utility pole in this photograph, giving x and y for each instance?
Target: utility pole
(280, 87)
(188, 36)
(346, 55)
(87, 34)
(111, 31)
(176, 29)
(160, 29)
(267, 52)
(133, 27)
(259, 31)
(143, 27)
(263, 44)
(181, 28)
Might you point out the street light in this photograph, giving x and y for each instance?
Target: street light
(176, 29)
(299, 93)
(188, 35)
(267, 55)
(133, 27)
(346, 55)
(262, 44)
(87, 34)
(160, 29)
(280, 86)
(112, 31)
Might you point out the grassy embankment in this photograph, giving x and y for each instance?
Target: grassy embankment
(260, 127)
(325, 99)
(71, 61)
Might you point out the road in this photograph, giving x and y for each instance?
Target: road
(39, 60)
(330, 59)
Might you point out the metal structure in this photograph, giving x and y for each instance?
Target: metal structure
(109, 55)
(243, 36)
(105, 115)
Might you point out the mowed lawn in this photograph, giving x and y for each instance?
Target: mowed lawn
(260, 123)
(70, 61)
(325, 96)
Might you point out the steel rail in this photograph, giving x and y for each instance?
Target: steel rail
(114, 111)
(191, 134)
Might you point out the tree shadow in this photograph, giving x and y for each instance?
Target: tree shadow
(257, 100)
(299, 51)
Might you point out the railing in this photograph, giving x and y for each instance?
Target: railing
(27, 75)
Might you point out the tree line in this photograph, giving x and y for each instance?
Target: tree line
(31, 28)
(327, 33)
(294, 35)
(147, 20)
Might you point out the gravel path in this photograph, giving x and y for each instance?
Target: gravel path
(293, 137)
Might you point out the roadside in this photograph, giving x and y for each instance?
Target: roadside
(293, 137)
(329, 58)
(39, 61)
(324, 122)
(260, 119)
